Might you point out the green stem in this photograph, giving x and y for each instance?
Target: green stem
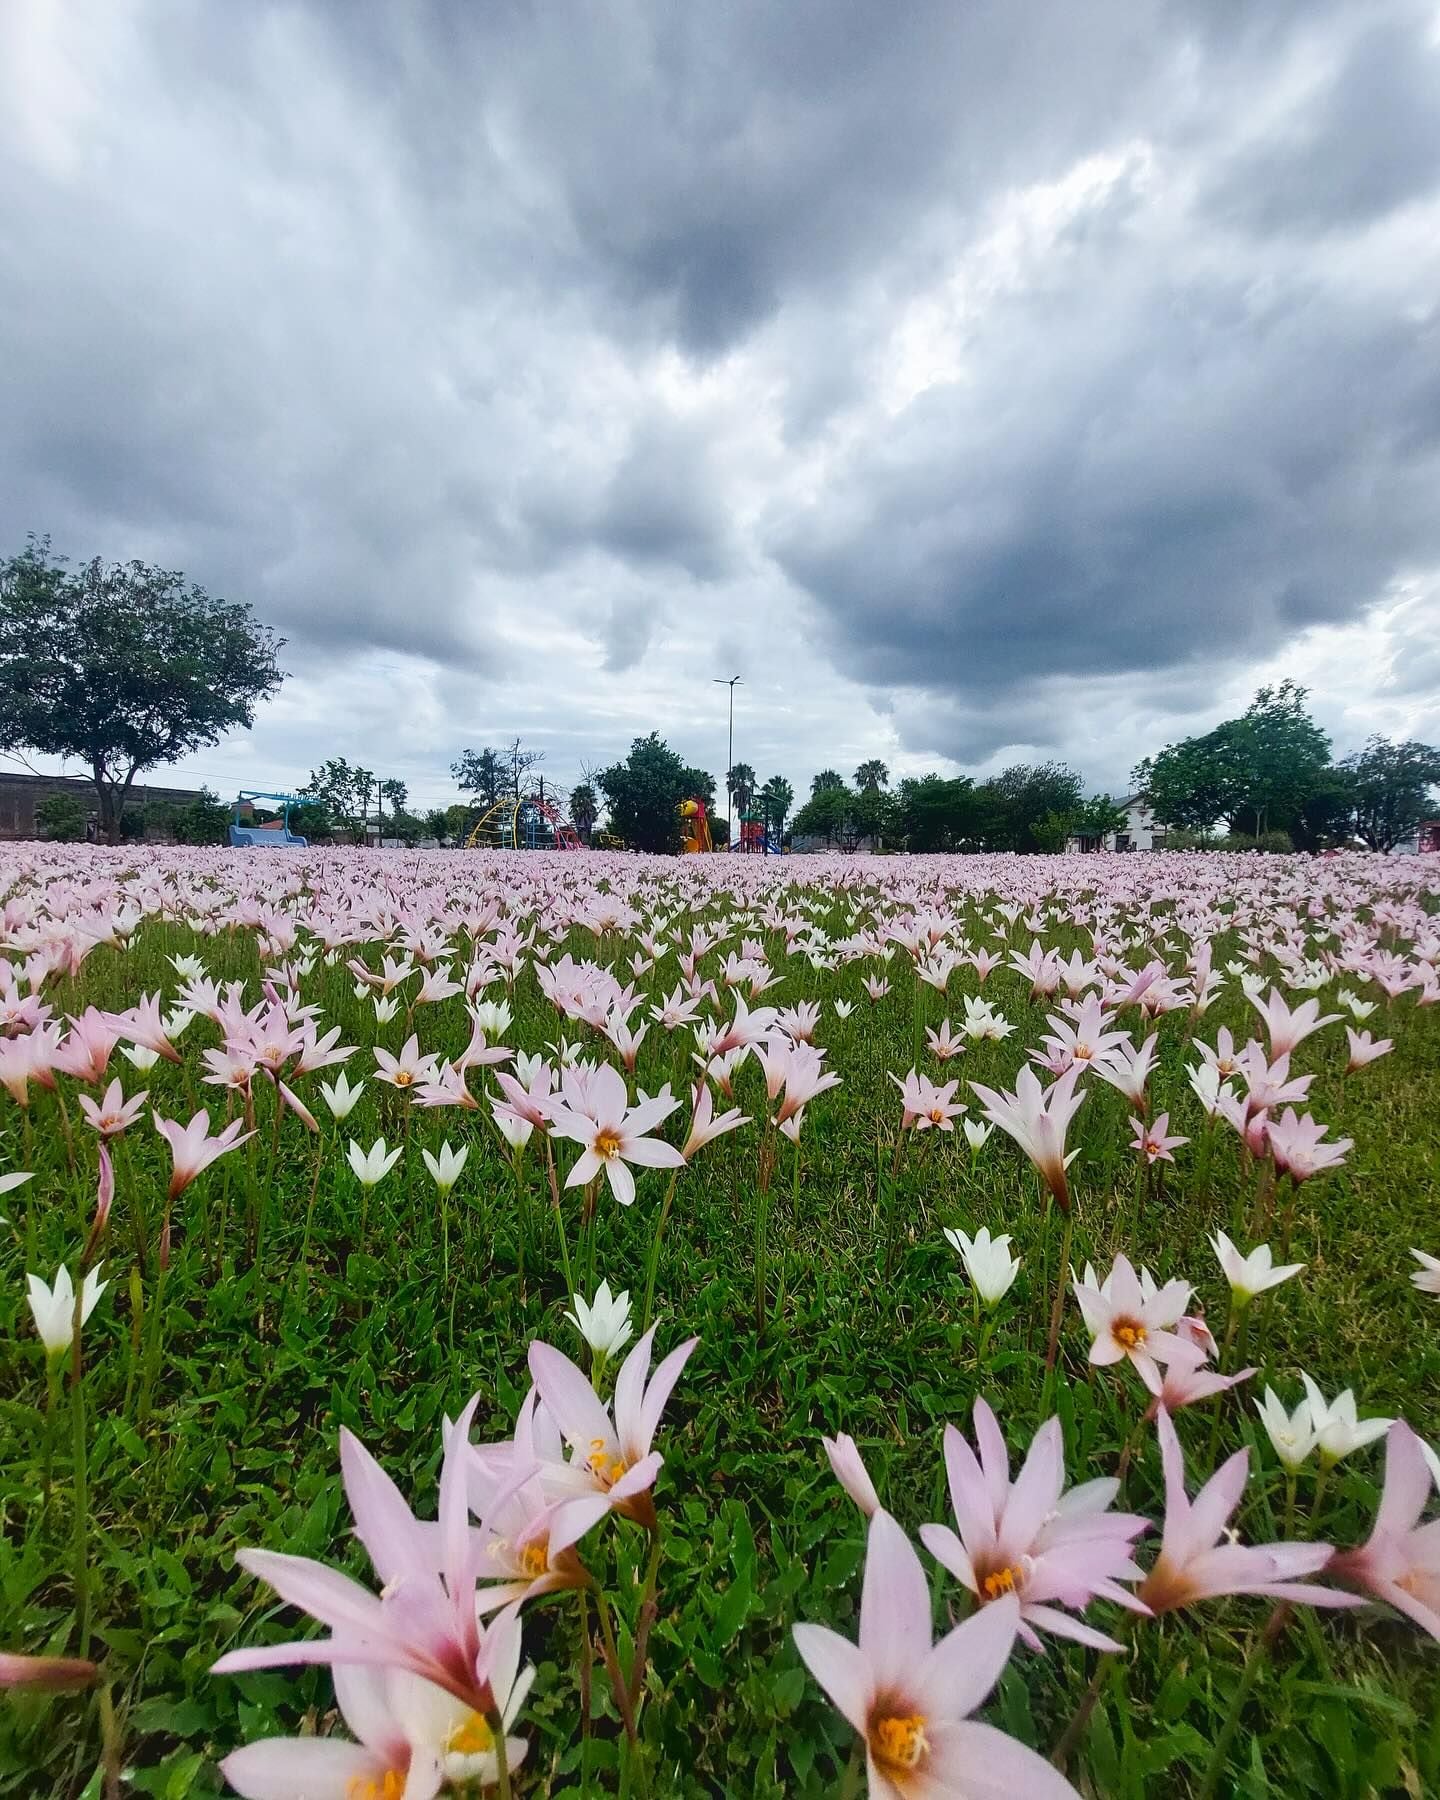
(1058, 1308)
(1259, 1647)
(612, 1665)
(559, 1215)
(80, 1479)
(502, 1754)
(655, 1250)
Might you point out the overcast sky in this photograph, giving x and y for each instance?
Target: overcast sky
(981, 381)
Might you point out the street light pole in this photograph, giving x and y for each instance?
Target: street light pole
(729, 762)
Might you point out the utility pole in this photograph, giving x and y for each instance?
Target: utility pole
(729, 762)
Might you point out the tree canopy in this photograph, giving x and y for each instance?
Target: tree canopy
(643, 793)
(123, 666)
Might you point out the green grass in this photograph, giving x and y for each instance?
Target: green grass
(259, 1371)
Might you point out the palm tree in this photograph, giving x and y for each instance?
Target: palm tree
(584, 809)
(828, 781)
(871, 776)
(776, 797)
(741, 783)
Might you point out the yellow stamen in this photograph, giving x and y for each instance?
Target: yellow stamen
(403, 1078)
(602, 1465)
(1128, 1333)
(607, 1144)
(390, 1786)
(534, 1559)
(937, 1117)
(472, 1737)
(899, 1742)
(1003, 1581)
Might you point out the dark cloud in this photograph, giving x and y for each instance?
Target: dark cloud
(978, 359)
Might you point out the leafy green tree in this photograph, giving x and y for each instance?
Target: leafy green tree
(871, 776)
(1389, 789)
(394, 793)
(584, 809)
(482, 774)
(934, 813)
(123, 666)
(740, 783)
(60, 819)
(776, 798)
(436, 822)
(344, 790)
(458, 821)
(1198, 781)
(206, 820)
(1019, 800)
(828, 813)
(1097, 817)
(643, 793)
(827, 781)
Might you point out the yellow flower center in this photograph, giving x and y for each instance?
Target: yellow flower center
(1002, 1581)
(390, 1786)
(606, 1469)
(1128, 1333)
(472, 1737)
(403, 1078)
(937, 1116)
(1082, 1053)
(110, 1121)
(607, 1144)
(898, 1741)
(534, 1559)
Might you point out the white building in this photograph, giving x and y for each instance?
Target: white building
(1141, 831)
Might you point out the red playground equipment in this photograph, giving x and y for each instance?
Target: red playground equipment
(694, 828)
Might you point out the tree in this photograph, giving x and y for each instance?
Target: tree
(436, 822)
(1389, 789)
(740, 783)
(776, 798)
(1097, 817)
(827, 781)
(1019, 798)
(871, 776)
(828, 813)
(206, 820)
(123, 666)
(482, 774)
(584, 809)
(933, 813)
(396, 792)
(644, 792)
(60, 819)
(344, 792)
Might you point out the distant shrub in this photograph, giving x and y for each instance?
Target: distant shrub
(60, 819)
(1277, 843)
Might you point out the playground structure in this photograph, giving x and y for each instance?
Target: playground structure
(525, 821)
(268, 836)
(757, 838)
(694, 828)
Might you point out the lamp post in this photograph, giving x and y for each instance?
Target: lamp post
(729, 762)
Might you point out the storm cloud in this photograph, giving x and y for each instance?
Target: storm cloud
(974, 381)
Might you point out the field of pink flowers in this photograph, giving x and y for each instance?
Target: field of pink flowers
(577, 1323)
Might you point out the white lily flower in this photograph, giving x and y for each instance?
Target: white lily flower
(445, 1169)
(605, 1322)
(1291, 1434)
(977, 1132)
(987, 1261)
(374, 1164)
(342, 1096)
(1338, 1428)
(1253, 1274)
(141, 1057)
(386, 1007)
(54, 1307)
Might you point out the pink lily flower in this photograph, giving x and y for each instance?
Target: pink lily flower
(1400, 1561)
(1195, 1564)
(1037, 1118)
(87, 1050)
(1365, 1049)
(1289, 1029)
(1296, 1143)
(926, 1104)
(1127, 1324)
(614, 1134)
(910, 1698)
(115, 1113)
(192, 1149)
(144, 1024)
(805, 1077)
(848, 1467)
(613, 1459)
(425, 1621)
(1029, 1538)
(706, 1126)
(1151, 1141)
(1129, 1069)
(407, 1069)
(1184, 1385)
